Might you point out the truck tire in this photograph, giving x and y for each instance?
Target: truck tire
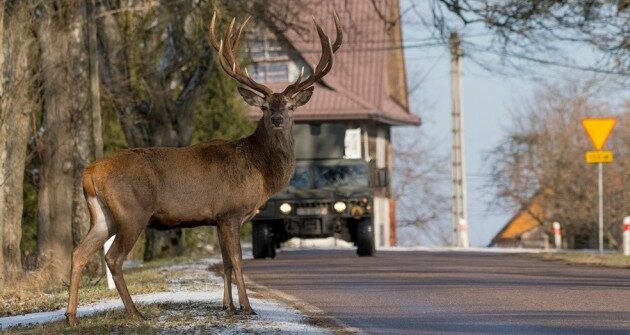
(263, 245)
(365, 238)
(260, 240)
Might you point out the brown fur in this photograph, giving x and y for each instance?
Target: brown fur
(219, 183)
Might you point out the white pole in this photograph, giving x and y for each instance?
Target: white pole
(600, 188)
(557, 235)
(463, 233)
(110, 280)
(460, 237)
(626, 236)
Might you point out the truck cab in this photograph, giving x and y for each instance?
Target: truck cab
(325, 198)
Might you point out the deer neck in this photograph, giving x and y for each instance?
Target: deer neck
(272, 152)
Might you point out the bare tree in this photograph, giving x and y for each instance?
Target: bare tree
(543, 151)
(3, 138)
(546, 32)
(18, 105)
(422, 196)
(62, 95)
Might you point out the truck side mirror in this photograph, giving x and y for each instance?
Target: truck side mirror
(382, 177)
(379, 176)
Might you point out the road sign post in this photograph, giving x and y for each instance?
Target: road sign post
(598, 130)
(626, 236)
(600, 205)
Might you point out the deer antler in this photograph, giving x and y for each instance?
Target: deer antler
(227, 49)
(325, 62)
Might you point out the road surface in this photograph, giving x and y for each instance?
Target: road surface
(419, 292)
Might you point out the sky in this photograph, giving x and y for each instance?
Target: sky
(486, 101)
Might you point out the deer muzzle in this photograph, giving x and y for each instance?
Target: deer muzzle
(277, 120)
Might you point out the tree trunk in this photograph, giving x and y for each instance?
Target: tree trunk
(95, 103)
(18, 106)
(3, 140)
(56, 148)
(81, 102)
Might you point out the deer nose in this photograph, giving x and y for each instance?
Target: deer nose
(277, 120)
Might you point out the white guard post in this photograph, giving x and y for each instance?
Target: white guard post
(626, 236)
(463, 233)
(557, 235)
(110, 280)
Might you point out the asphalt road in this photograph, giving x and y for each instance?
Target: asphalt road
(452, 292)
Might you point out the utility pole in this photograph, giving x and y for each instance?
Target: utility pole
(460, 222)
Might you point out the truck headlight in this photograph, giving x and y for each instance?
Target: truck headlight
(285, 208)
(339, 206)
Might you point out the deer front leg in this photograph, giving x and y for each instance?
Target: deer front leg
(228, 304)
(232, 240)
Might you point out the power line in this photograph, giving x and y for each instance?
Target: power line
(547, 62)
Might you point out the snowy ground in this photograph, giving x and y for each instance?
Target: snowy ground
(325, 244)
(193, 306)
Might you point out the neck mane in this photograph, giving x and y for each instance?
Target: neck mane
(272, 153)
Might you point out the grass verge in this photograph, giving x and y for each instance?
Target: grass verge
(34, 293)
(583, 258)
(164, 318)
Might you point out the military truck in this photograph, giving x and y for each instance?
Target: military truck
(325, 198)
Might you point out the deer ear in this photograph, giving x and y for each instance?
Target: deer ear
(303, 97)
(250, 97)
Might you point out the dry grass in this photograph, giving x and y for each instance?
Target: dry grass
(34, 293)
(194, 318)
(607, 260)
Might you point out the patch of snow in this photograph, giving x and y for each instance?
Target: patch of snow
(470, 249)
(273, 317)
(433, 249)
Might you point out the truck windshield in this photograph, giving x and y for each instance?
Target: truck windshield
(341, 175)
(301, 178)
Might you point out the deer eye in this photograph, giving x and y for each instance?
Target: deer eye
(264, 108)
(291, 107)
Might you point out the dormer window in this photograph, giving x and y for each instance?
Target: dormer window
(271, 62)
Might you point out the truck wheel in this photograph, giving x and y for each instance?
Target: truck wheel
(261, 233)
(272, 249)
(365, 238)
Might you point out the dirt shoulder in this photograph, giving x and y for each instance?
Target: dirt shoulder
(583, 258)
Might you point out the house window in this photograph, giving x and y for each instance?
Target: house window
(270, 59)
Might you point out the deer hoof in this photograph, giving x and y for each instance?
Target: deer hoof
(248, 311)
(230, 310)
(71, 320)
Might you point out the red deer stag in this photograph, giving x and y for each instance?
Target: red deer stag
(219, 183)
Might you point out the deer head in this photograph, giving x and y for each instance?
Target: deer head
(277, 108)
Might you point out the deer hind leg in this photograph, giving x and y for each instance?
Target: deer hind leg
(130, 226)
(231, 237)
(228, 303)
(90, 244)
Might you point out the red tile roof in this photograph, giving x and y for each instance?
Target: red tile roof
(355, 89)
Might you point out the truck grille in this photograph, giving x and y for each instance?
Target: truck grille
(313, 208)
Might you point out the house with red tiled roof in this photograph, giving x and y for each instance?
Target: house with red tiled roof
(355, 105)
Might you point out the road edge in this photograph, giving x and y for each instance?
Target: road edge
(315, 315)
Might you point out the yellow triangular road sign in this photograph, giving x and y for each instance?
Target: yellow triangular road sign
(598, 130)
